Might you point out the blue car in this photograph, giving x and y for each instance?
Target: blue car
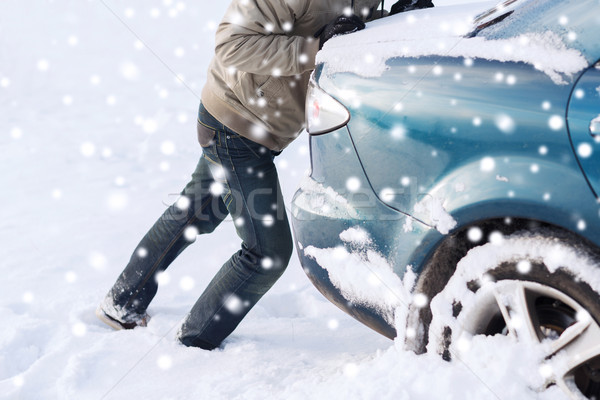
(455, 181)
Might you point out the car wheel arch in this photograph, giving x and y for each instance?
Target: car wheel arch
(439, 266)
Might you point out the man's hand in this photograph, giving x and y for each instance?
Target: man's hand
(341, 25)
(407, 5)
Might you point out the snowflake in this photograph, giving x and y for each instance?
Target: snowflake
(584, 150)
(268, 220)
(411, 333)
(234, 304)
(142, 252)
(333, 324)
(28, 297)
(183, 203)
(16, 133)
(258, 132)
(87, 149)
(374, 280)
(353, 184)
(398, 132)
(351, 370)
(190, 233)
(563, 20)
(187, 283)
(164, 362)
(67, 100)
(496, 238)
(43, 65)
(524, 266)
(547, 196)
(267, 263)
(572, 36)
(149, 125)
(129, 70)
(555, 122)
(420, 300)
(474, 234)
(463, 344)
(18, 381)
(163, 278)
(106, 152)
(70, 277)
(487, 164)
(546, 371)
(583, 316)
(167, 147)
(97, 260)
(387, 194)
(79, 329)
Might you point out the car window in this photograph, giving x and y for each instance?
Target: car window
(574, 23)
(493, 16)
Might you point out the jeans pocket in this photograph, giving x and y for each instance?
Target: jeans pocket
(206, 136)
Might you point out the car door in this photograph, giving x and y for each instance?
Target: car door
(583, 120)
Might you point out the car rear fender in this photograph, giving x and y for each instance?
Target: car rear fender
(545, 191)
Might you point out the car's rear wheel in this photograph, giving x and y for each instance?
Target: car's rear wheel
(535, 289)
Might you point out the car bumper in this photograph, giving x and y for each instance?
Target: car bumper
(356, 250)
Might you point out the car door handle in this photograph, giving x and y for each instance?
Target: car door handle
(595, 126)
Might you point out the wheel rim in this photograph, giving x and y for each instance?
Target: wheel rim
(536, 313)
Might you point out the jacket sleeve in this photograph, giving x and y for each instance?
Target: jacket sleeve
(256, 36)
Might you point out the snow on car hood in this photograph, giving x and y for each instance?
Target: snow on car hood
(441, 31)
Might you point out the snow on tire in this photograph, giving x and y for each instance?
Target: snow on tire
(539, 291)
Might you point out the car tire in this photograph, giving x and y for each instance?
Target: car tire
(534, 287)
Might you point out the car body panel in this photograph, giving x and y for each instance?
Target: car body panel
(576, 22)
(478, 137)
(583, 112)
(494, 126)
(320, 213)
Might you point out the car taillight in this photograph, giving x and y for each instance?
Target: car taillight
(323, 113)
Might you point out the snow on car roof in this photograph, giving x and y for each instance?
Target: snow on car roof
(445, 31)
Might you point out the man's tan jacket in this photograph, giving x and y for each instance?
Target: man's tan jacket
(264, 53)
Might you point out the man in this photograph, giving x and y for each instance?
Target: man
(252, 107)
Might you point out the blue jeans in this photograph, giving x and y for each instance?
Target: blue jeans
(235, 177)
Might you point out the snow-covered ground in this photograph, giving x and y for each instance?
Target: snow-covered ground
(97, 135)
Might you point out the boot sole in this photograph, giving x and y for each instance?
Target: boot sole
(108, 320)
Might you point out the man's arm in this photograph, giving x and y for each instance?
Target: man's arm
(254, 37)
